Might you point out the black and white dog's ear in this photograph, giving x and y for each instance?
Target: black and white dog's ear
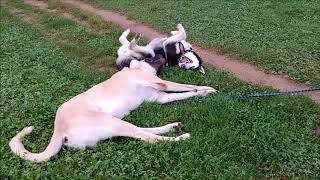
(181, 47)
(201, 69)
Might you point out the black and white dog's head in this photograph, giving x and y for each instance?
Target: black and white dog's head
(189, 59)
(179, 52)
(174, 49)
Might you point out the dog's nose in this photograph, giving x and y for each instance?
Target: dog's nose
(183, 66)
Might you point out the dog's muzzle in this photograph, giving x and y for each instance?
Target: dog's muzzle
(183, 61)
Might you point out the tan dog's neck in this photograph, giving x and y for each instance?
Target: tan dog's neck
(135, 64)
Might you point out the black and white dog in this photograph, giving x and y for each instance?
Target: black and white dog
(175, 49)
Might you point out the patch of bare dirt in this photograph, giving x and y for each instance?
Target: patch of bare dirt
(73, 18)
(40, 4)
(44, 6)
(79, 21)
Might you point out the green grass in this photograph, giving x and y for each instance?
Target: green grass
(279, 36)
(267, 138)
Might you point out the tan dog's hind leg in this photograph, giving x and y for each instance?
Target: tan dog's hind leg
(104, 126)
(148, 134)
(152, 138)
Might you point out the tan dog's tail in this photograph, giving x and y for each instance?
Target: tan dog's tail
(52, 149)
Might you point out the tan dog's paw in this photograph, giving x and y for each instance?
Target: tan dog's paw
(177, 126)
(202, 88)
(206, 92)
(184, 136)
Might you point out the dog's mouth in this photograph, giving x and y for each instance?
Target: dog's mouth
(184, 60)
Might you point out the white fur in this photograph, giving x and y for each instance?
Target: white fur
(186, 45)
(123, 38)
(176, 36)
(195, 61)
(130, 50)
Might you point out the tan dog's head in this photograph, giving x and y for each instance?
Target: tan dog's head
(152, 64)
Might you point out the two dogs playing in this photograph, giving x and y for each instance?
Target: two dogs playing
(97, 113)
(174, 49)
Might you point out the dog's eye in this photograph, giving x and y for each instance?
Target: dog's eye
(148, 60)
(148, 56)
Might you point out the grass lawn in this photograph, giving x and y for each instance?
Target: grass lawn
(278, 36)
(47, 63)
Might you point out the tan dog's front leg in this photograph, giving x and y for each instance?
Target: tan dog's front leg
(177, 87)
(170, 97)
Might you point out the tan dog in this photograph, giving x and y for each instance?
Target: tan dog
(96, 114)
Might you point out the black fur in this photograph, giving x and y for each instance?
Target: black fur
(200, 60)
(126, 62)
(157, 62)
(172, 56)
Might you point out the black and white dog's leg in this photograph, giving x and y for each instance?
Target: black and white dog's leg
(123, 38)
(145, 50)
(177, 36)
